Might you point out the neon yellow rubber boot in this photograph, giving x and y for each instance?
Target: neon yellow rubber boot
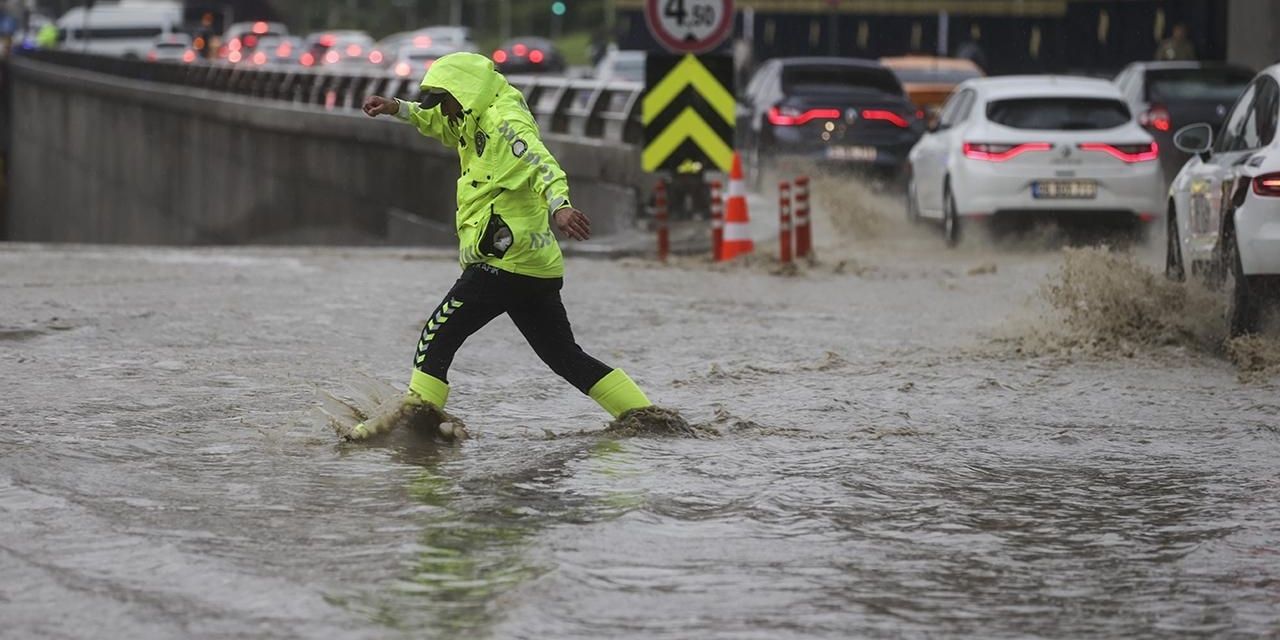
(617, 393)
(424, 389)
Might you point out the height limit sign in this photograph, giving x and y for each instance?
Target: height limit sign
(689, 26)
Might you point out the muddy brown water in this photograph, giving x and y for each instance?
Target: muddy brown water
(906, 449)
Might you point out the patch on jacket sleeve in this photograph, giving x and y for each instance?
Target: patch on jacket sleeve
(519, 147)
(481, 139)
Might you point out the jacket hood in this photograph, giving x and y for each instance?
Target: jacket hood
(469, 77)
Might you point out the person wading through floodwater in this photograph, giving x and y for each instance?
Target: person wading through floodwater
(510, 190)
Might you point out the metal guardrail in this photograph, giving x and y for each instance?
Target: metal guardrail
(591, 109)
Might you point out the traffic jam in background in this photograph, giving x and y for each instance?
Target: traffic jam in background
(1182, 152)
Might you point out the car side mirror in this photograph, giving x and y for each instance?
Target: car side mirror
(1195, 138)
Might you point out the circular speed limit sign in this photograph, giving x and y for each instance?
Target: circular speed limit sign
(689, 26)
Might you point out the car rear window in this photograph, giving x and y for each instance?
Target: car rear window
(838, 79)
(1221, 84)
(1058, 114)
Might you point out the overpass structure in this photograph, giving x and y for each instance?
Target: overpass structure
(128, 151)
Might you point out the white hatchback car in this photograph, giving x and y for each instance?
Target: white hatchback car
(1224, 205)
(1019, 146)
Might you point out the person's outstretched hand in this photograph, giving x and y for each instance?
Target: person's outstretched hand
(573, 223)
(375, 106)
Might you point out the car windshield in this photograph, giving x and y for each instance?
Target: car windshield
(935, 76)
(828, 79)
(1220, 84)
(628, 68)
(1059, 113)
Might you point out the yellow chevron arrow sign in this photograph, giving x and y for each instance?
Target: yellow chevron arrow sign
(688, 100)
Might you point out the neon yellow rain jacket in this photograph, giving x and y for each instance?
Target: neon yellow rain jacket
(510, 183)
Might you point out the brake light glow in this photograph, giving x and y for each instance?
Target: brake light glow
(259, 58)
(1001, 152)
(259, 27)
(535, 56)
(251, 41)
(499, 56)
(1128, 152)
(284, 50)
(888, 116)
(354, 50)
(332, 57)
(1157, 117)
(403, 69)
(307, 59)
(234, 45)
(152, 56)
(422, 41)
(189, 56)
(375, 57)
(234, 56)
(791, 117)
(327, 40)
(520, 50)
(1267, 185)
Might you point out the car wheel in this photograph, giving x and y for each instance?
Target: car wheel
(1242, 305)
(1173, 268)
(913, 203)
(950, 220)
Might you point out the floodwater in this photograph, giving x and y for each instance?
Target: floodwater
(913, 442)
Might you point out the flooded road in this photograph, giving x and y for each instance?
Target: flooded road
(897, 456)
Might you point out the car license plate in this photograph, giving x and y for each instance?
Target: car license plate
(855, 153)
(1064, 189)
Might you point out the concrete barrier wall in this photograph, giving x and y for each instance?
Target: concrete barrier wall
(99, 158)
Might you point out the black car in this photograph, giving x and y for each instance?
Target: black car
(1166, 96)
(841, 112)
(528, 55)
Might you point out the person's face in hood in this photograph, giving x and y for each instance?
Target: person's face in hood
(449, 105)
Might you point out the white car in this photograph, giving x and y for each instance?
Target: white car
(1224, 205)
(1022, 146)
(127, 30)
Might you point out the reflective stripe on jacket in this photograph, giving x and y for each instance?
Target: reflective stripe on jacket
(509, 180)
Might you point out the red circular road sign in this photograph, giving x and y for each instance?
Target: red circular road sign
(689, 26)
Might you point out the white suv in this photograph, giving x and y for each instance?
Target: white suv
(1022, 146)
(1224, 205)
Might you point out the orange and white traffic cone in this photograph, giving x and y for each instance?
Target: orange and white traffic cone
(737, 222)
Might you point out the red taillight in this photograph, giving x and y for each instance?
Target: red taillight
(189, 56)
(307, 59)
(919, 114)
(152, 56)
(234, 56)
(1157, 117)
(260, 27)
(1127, 152)
(1001, 152)
(1267, 185)
(284, 50)
(375, 57)
(259, 58)
(535, 56)
(354, 51)
(422, 42)
(403, 69)
(234, 45)
(789, 117)
(332, 57)
(251, 41)
(880, 114)
(499, 56)
(519, 50)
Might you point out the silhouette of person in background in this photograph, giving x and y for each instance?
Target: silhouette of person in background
(971, 49)
(1177, 46)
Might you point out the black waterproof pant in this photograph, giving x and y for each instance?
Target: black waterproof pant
(484, 292)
